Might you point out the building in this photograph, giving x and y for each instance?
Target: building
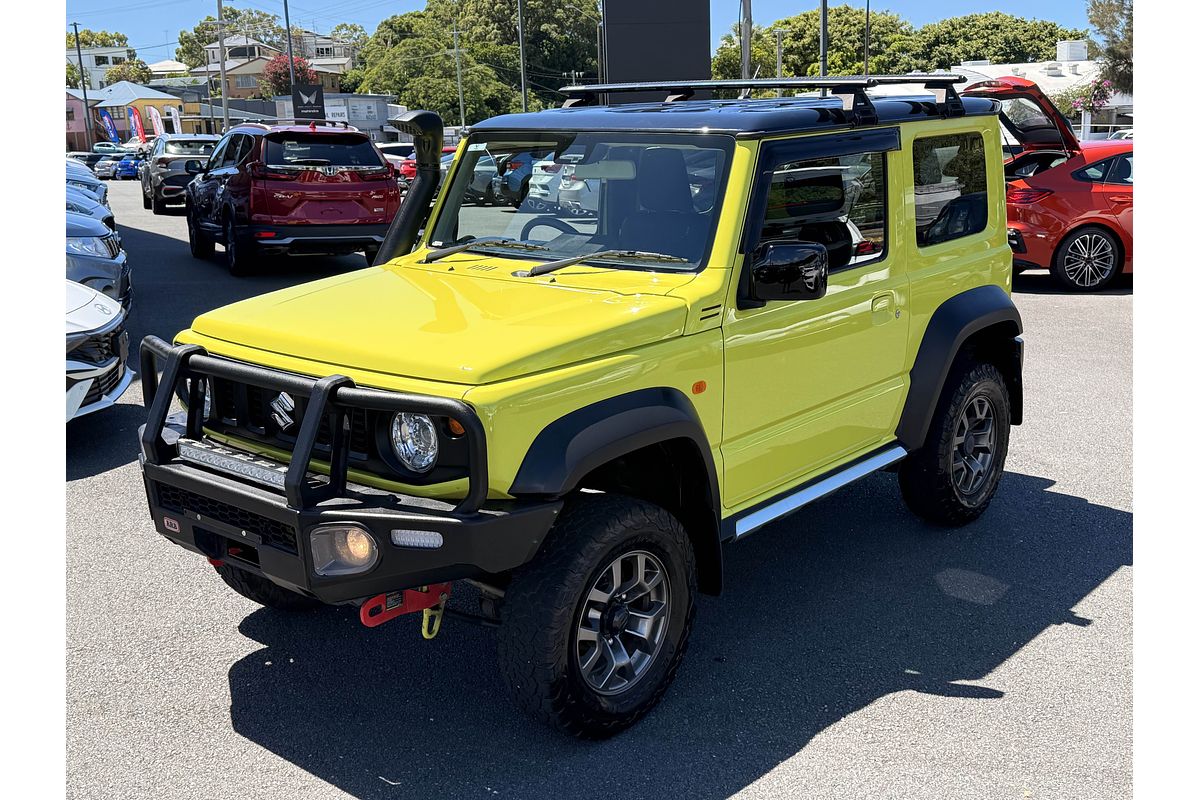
(324, 52)
(245, 61)
(161, 69)
(99, 60)
(117, 99)
(367, 112)
(1070, 69)
(77, 120)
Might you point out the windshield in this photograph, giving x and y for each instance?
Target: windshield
(613, 194)
(321, 150)
(189, 147)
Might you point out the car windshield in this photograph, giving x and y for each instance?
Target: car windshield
(321, 150)
(189, 147)
(629, 198)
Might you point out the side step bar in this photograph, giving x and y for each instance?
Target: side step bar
(815, 491)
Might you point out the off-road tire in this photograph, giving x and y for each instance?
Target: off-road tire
(926, 475)
(236, 248)
(543, 603)
(264, 592)
(1078, 282)
(198, 241)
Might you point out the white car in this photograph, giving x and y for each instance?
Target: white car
(546, 180)
(97, 351)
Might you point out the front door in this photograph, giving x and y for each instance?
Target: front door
(815, 382)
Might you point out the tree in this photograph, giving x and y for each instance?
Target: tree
(260, 25)
(134, 70)
(90, 38)
(351, 33)
(276, 79)
(1113, 21)
(72, 75)
(1001, 38)
(890, 45)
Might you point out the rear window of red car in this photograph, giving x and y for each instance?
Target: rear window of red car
(301, 149)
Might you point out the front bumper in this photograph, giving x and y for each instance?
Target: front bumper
(91, 389)
(209, 507)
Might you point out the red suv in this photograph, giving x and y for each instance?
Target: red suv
(290, 189)
(1070, 203)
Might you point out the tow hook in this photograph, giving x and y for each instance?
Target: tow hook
(429, 599)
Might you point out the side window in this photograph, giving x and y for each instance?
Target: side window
(1093, 173)
(1122, 171)
(840, 202)
(950, 187)
(218, 154)
(238, 148)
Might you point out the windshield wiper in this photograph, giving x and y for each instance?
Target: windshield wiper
(633, 255)
(497, 241)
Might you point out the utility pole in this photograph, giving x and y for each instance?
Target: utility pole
(462, 114)
(221, 53)
(824, 38)
(83, 84)
(521, 47)
(867, 43)
(779, 59)
(291, 60)
(747, 30)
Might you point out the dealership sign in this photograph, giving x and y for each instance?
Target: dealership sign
(308, 101)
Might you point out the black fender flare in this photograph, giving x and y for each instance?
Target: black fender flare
(956, 320)
(569, 448)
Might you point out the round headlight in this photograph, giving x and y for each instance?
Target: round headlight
(414, 441)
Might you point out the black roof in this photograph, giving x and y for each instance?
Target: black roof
(848, 104)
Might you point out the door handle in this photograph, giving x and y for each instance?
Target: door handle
(881, 308)
(1121, 199)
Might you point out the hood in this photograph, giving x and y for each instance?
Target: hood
(449, 326)
(81, 225)
(88, 310)
(74, 195)
(1028, 114)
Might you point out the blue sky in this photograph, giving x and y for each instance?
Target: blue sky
(153, 25)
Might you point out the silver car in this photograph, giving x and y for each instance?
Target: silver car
(106, 167)
(85, 179)
(162, 174)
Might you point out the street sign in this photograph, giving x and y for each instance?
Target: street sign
(308, 101)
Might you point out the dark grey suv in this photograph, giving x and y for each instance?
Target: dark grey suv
(162, 174)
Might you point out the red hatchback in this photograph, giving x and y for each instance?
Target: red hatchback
(1070, 203)
(294, 189)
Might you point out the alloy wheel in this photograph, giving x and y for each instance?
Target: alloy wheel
(974, 446)
(623, 622)
(1089, 259)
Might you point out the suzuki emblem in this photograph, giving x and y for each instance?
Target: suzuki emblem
(281, 410)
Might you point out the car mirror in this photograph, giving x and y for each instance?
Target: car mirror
(193, 166)
(789, 271)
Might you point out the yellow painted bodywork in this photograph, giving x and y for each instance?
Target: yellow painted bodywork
(793, 389)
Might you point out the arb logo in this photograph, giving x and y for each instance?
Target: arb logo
(171, 524)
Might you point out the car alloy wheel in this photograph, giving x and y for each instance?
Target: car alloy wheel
(974, 446)
(1089, 260)
(623, 622)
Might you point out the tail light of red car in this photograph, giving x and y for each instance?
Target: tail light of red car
(1027, 196)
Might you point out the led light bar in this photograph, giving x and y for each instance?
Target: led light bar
(224, 459)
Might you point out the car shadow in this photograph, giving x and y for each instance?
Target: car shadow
(1041, 281)
(823, 614)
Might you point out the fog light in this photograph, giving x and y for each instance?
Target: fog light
(425, 540)
(342, 549)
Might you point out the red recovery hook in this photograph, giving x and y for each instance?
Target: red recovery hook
(382, 607)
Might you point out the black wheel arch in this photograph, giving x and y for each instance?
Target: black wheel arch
(983, 319)
(648, 443)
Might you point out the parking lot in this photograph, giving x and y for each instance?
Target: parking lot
(855, 653)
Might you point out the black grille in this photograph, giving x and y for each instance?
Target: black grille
(248, 408)
(274, 533)
(104, 384)
(100, 349)
(114, 248)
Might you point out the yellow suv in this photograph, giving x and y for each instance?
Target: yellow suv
(575, 412)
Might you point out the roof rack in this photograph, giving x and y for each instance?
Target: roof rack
(333, 123)
(850, 89)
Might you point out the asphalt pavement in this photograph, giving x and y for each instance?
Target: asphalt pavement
(856, 653)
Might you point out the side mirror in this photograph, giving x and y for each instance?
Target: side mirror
(193, 166)
(784, 271)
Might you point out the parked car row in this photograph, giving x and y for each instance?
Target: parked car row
(99, 293)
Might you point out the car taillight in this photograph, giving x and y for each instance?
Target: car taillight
(514, 165)
(162, 161)
(1025, 196)
(866, 248)
(552, 167)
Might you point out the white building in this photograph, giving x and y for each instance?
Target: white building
(1070, 69)
(99, 60)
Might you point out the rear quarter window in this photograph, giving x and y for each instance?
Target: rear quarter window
(950, 187)
(321, 150)
(189, 148)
